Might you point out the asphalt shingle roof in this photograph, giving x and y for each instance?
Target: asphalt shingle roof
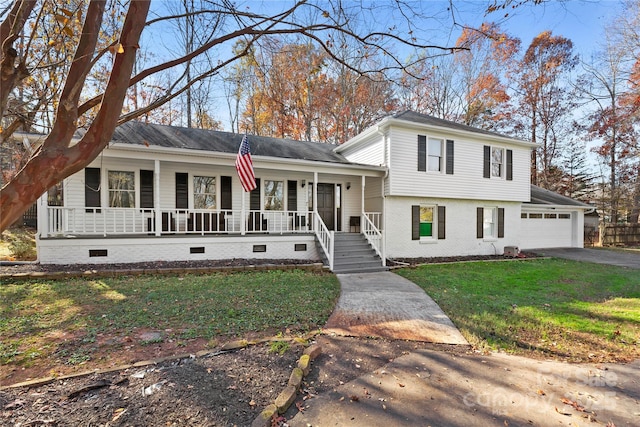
(137, 133)
(412, 116)
(541, 196)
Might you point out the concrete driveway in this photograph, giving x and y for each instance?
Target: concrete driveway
(630, 259)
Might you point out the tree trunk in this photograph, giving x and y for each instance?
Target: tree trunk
(55, 159)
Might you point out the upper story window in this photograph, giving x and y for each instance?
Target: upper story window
(273, 195)
(204, 192)
(498, 163)
(122, 189)
(497, 155)
(435, 154)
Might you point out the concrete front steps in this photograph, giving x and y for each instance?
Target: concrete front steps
(353, 254)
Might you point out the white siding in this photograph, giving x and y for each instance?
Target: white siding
(368, 152)
(373, 195)
(460, 229)
(467, 181)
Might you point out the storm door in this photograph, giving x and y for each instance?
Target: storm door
(326, 204)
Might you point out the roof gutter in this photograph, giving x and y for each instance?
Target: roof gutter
(544, 206)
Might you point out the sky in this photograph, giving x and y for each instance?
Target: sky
(582, 21)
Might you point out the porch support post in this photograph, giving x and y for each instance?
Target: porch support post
(363, 180)
(156, 197)
(43, 215)
(315, 194)
(243, 222)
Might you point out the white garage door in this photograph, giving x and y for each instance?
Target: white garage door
(546, 230)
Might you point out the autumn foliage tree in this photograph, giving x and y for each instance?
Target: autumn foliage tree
(99, 109)
(544, 104)
(470, 86)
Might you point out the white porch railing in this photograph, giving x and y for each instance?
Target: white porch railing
(86, 221)
(61, 221)
(325, 237)
(371, 230)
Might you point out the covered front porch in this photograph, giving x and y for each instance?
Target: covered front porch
(281, 219)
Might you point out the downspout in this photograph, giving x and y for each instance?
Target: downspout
(385, 162)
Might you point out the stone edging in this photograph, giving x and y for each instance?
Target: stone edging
(56, 275)
(288, 395)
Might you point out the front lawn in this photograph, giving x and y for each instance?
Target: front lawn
(542, 308)
(53, 326)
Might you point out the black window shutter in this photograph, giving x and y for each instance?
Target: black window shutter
(92, 187)
(500, 222)
(292, 195)
(422, 153)
(415, 222)
(480, 223)
(487, 162)
(182, 190)
(509, 165)
(442, 219)
(254, 197)
(226, 201)
(449, 166)
(146, 189)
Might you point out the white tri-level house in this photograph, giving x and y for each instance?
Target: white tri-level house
(410, 186)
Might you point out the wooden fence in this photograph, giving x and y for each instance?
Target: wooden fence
(620, 234)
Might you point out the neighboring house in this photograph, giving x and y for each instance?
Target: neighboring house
(412, 185)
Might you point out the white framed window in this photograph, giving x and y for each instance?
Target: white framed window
(434, 154)
(204, 192)
(122, 189)
(489, 229)
(427, 223)
(497, 161)
(273, 195)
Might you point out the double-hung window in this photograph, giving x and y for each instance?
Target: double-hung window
(435, 155)
(122, 189)
(273, 195)
(428, 223)
(490, 223)
(497, 155)
(204, 192)
(498, 163)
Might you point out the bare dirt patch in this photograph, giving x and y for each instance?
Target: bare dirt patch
(228, 389)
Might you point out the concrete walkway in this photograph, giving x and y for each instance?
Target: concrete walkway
(386, 305)
(629, 259)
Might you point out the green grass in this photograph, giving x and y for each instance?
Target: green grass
(570, 310)
(34, 313)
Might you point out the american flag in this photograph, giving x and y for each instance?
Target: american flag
(244, 166)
